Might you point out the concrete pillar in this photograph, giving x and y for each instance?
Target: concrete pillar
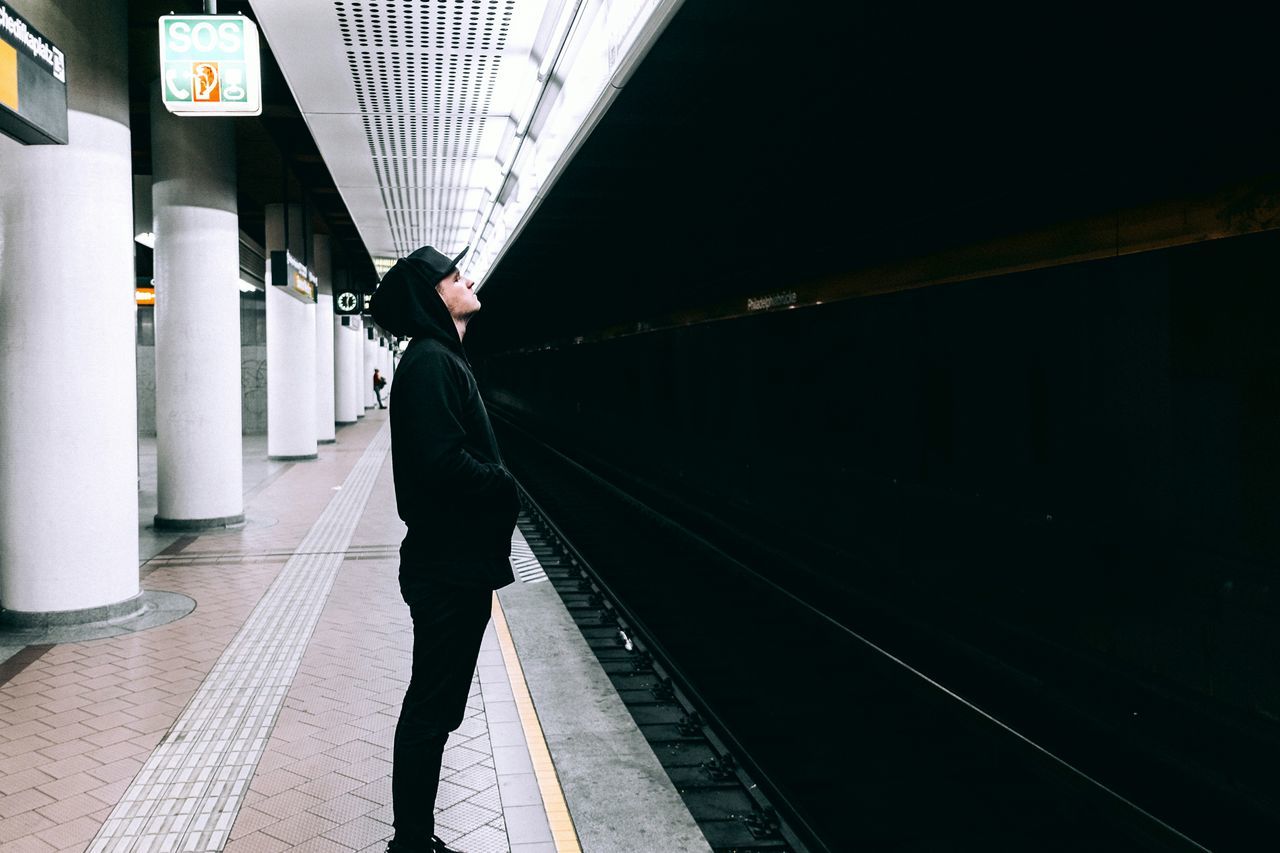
(68, 419)
(358, 376)
(197, 268)
(370, 362)
(384, 358)
(291, 351)
(326, 431)
(345, 342)
(380, 362)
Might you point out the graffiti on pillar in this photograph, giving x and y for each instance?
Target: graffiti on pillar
(146, 374)
(253, 387)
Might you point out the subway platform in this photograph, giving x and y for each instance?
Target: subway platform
(251, 706)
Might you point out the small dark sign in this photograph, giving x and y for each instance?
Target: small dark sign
(33, 83)
(289, 274)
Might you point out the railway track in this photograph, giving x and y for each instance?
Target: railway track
(849, 746)
(721, 794)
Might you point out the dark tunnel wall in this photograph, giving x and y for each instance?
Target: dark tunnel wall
(1086, 455)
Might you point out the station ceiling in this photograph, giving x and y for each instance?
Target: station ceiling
(408, 102)
(756, 145)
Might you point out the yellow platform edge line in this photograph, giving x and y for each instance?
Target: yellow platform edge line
(562, 830)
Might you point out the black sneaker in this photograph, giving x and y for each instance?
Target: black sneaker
(438, 846)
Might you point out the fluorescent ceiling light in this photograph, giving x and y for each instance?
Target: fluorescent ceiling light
(568, 14)
(522, 127)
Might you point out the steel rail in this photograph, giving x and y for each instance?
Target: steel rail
(886, 654)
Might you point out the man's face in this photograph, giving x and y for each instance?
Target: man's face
(458, 295)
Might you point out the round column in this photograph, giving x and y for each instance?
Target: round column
(357, 377)
(345, 342)
(326, 430)
(370, 362)
(291, 352)
(384, 359)
(197, 269)
(68, 418)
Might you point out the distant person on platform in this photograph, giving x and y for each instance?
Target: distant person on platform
(459, 503)
(378, 382)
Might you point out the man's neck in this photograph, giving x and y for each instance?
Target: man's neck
(461, 326)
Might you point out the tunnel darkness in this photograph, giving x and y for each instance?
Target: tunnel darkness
(1076, 461)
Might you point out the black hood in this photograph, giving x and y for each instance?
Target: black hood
(406, 304)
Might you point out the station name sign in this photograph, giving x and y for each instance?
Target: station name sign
(291, 276)
(33, 83)
(210, 65)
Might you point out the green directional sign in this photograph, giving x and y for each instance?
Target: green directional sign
(209, 65)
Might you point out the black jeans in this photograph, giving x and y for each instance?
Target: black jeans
(448, 625)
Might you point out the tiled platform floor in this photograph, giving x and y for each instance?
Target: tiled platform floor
(79, 720)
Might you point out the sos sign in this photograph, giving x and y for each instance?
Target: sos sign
(209, 65)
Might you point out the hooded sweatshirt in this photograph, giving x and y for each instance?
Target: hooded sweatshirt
(452, 490)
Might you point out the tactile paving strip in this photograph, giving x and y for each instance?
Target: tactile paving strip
(187, 795)
(470, 804)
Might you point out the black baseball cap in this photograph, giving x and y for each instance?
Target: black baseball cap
(438, 264)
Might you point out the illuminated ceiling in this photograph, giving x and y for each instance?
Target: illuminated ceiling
(444, 122)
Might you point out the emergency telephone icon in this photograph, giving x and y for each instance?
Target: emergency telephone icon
(173, 83)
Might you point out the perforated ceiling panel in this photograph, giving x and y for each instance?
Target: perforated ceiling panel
(442, 120)
(424, 75)
(421, 91)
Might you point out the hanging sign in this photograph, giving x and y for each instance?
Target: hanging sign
(33, 83)
(289, 274)
(209, 65)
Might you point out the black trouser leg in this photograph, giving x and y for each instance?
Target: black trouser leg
(448, 625)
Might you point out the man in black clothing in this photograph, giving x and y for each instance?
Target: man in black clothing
(459, 504)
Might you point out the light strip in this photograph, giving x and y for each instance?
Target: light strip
(560, 37)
